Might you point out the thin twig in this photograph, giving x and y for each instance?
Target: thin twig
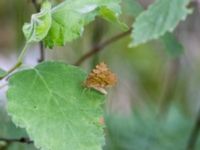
(42, 53)
(20, 140)
(194, 134)
(101, 46)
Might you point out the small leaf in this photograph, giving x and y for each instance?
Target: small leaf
(58, 113)
(70, 17)
(161, 16)
(40, 24)
(173, 47)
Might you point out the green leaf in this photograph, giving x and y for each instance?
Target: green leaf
(2, 72)
(173, 47)
(70, 17)
(40, 24)
(161, 16)
(54, 107)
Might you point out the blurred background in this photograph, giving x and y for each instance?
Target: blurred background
(156, 101)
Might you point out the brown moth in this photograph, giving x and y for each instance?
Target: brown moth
(101, 78)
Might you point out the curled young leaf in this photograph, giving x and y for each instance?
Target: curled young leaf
(40, 24)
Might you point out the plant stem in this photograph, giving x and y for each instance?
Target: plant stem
(23, 52)
(101, 46)
(194, 134)
(19, 62)
(42, 53)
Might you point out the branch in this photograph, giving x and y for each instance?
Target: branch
(194, 134)
(21, 140)
(101, 46)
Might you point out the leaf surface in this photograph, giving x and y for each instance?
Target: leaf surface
(70, 17)
(54, 107)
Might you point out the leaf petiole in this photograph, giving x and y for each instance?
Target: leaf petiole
(18, 64)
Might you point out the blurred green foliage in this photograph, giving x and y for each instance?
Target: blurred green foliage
(145, 130)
